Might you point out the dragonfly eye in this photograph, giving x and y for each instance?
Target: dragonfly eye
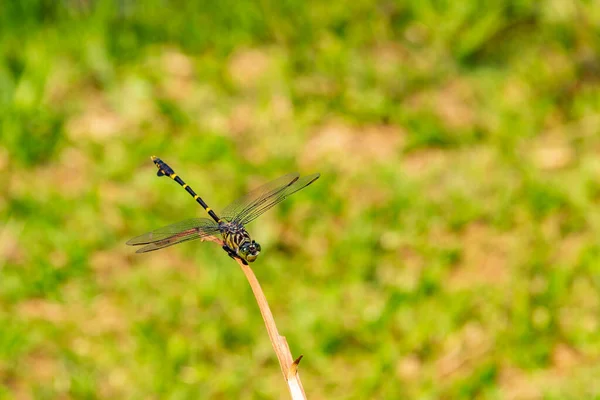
(249, 251)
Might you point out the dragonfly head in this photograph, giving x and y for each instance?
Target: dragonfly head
(249, 251)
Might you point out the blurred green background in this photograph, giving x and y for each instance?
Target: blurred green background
(450, 249)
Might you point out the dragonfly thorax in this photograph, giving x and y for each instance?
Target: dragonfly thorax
(238, 239)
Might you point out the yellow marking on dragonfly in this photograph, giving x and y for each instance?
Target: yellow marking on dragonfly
(173, 176)
(185, 185)
(196, 197)
(208, 209)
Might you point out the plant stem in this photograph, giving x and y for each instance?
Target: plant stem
(289, 366)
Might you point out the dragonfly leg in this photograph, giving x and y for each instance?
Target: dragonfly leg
(232, 254)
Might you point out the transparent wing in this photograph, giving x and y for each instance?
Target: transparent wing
(271, 197)
(254, 197)
(182, 231)
(251, 214)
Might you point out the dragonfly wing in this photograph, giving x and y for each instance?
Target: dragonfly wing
(273, 197)
(256, 196)
(166, 243)
(182, 231)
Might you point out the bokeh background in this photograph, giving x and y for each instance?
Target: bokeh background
(450, 249)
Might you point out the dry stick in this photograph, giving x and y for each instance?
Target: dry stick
(289, 366)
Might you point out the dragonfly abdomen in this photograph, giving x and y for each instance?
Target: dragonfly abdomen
(164, 169)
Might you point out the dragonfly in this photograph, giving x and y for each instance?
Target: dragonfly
(231, 224)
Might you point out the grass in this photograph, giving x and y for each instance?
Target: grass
(449, 249)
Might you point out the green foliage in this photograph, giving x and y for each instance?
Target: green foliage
(449, 249)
